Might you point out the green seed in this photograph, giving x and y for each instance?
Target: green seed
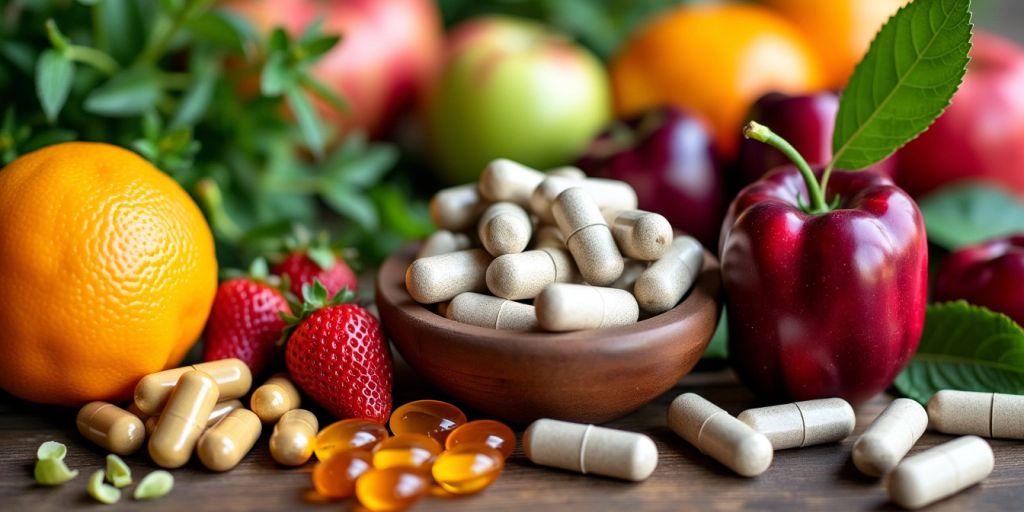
(51, 450)
(53, 472)
(118, 472)
(102, 492)
(154, 485)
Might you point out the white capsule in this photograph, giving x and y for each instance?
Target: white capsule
(443, 242)
(590, 449)
(889, 437)
(606, 193)
(524, 275)
(548, 236)
(505, 180)
(800, 424)
(588, 238)
(664, 283)
(567, 171)
(457, 208)
(640, 235)
(716, 433)
(982, 414)
(440, 278)
(505, 229)
(574, 307)
(491, 312)
(940, 472)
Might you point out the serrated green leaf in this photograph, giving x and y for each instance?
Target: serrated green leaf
(54, 76)
(967, 348)
(308, 121)
(126, 94)
(971, 213)
(907, 78)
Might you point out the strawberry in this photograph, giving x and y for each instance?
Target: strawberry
(338, 356)
(245, 320)
(318, 261)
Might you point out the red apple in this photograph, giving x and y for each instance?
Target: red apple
(981, 135)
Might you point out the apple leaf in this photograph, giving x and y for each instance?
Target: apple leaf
(971, 213)
(967, 348)
(908, 77)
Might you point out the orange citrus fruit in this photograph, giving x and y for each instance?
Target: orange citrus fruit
(715, 60)
(109, 272)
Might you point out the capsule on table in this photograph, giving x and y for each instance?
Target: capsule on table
(441, 278)
(587, 237)
(663, 284)
(492, 312)
(982, 414)
(443, 242)
(183, 420)
(505, 228)
(348, 434)
(493, 433)
(889, 437)
(548, 236)
(640, 235)
(467, 468)
(432, 418)
(294, 437)
(224, 445)
(606, 193)
(505, 180)
(574, 307)
(232, 376)
(524, 275)
(800, 424)
(274, 398)
(940, 472)
(716, 433)
(408, 450)
(456, 208)
(111, 427)
(219, 411)
(590, 449)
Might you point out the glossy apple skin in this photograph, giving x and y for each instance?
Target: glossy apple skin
(827, 305)
(989, 274)
(981, 134)
(668, 156)
(511, 88)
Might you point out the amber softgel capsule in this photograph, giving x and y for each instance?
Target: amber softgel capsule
(294, 437)
(717, 433)
(981, 414)
(588, 237)
(275, 397)
(806, 423)
(590, 449)
(232, 377)
(440, 278)
(573, 307)
(224, 445)
(111, 427)
(491, 312)
(939, 472)
(183, 419)
(889, 437)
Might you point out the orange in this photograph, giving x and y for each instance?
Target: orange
(108, 273)
(715, 60)
(839, 30)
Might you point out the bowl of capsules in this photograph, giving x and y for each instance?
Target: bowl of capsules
(549, 295)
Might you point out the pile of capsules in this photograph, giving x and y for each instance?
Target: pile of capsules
(594, 260)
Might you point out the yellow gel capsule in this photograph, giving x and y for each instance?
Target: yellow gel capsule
(415, 451)
(348, 434)
(384, 490)
(468, 468)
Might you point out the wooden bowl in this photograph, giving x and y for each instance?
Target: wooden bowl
(589, 376)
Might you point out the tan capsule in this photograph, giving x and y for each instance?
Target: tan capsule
(800, 424)
(151, 424)
(640, 235)
(441, 278)
(630, 273)
(232, 376)
(456, 208)
(666, 281)
(505, 180)
(548, 236)
(588, 237)
(982, 414)
(716, 433)
(294, 438)
(492, 312)
(940, 472)
(606, 193)
(443, 242)
(505, 229)
(224, 445)
(566, 171)
(889, 437)
(524, 275)
(183, 420)
(574, 307)
(274, 398)
(590, 449)
(134, 409)
(111, 427)
(219, 411)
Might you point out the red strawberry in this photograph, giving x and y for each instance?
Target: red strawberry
(245, 321)
(302, 266)
(338, 356)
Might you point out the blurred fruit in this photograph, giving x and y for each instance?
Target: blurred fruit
(302, 266)
(512, 89)
(981, 135)
(989, 274)
(109, 273)
(714, 59)
(390, 49)
(668, 156)
(840, 31)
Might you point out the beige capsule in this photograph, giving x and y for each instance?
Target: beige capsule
(219, 411)
(524, 275)
(587, 237)
(457, 208)
(664, 283)
(224, 445)
(492, 312)
(183, 420)
(716, 433)
(134, 409)
(630, 273)
(566, 171)
(640, 235)
(982, 414)
(294, 438)
(940, 472)
(274, 398)
(548, 235)
(606, 193)
(505, 229)
(111, 427)
(889, 437)
(505, 180)
(574, 307)
(443, 242)
(232, 376)
(440, 278)
(590, 449)
(805, 423)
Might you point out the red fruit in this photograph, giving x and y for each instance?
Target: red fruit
(245, 323)
(301, 269)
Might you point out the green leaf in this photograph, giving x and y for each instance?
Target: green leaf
(323, 92)
(360, 167)
(127, 94)
(905, 81)
(196, 100)
(971, 213)
(54, 75)
(352, 205)
(317, 47)
(309, 124)
(223, 28)
(967, 348)
(154, 485)
(276, 76)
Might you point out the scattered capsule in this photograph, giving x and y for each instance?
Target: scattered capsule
(940, 472)
(183, 419)
(587, 236)
(548, 236)
(982, 414)
(505, 229)
(274, 398)
(456, 208)
(590, 449)
(467, 468)
(224, 445)
(799, 424)
(440, 278)
(889, 437)
(382, 490)
(716, 433)
(663, 284)
(573, 307)
(232, 376)
(443, 242)
(347, 434)
(336, 477)
(493, 433)
(111, 427)
(415, 451)
(606, 193)
(219, 411)
(640, 235)
(433, 418)
(491, 312)
(524, 275)
(294, 437)
(505, 180)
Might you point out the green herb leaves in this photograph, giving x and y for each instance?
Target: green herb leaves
(967, 348)
(970, 213)
(905, 81)
(54, 74)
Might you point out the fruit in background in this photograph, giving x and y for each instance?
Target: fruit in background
(109, 273)
(714, 60)
(839, 31)
(981, 134)
(667, 155)
(989, 274)
(316, 262)
(512, 89)
(390, 49)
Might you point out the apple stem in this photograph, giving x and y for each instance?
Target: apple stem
(762, 133)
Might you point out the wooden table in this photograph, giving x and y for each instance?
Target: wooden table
(816, 478)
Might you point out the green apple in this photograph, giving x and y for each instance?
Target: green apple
(510, 88)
